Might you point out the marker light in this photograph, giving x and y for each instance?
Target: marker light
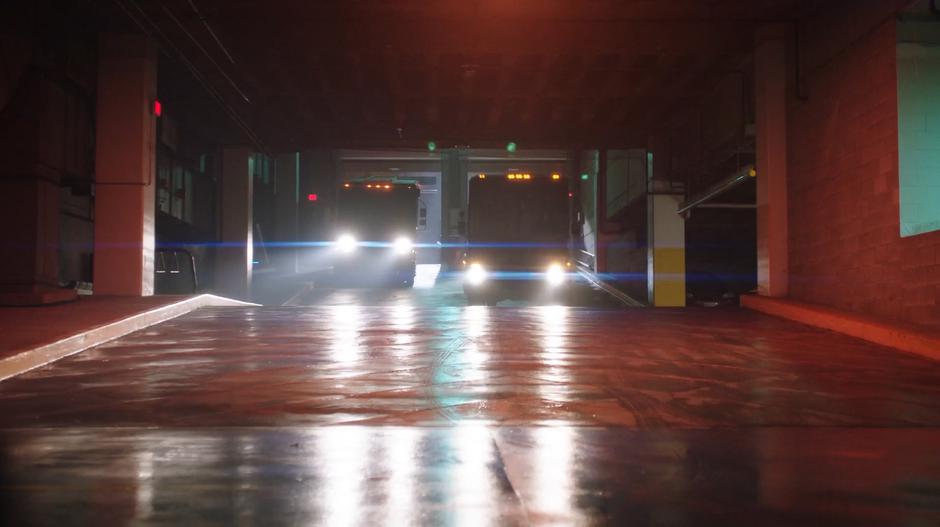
(403, 245)
(511, 176)
(556, 177)
(476, 274)
(555, 275)
(482, 176)
(346, 243)
(346, 185)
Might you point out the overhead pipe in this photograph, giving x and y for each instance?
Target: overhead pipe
(719, 188)
(205, 22)
(158, 35)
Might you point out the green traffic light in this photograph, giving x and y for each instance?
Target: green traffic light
(511, 147)
(584, 177)
(432, 146)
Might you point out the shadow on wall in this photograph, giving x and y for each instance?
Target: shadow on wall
(721, 254)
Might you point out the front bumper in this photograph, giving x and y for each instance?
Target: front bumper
(374, 261)
(517, 284)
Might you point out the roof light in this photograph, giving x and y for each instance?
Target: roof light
(511, 176)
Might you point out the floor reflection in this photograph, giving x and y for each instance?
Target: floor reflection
(346, 324)
(554, 350)
(469, 474)
(342, 460)
(402, 319)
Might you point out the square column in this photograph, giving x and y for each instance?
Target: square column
(666, 251)
(770, 77)
(235, 254)
(286, 200)
(125, 166)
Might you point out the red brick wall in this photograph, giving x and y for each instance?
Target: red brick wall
(845, 247)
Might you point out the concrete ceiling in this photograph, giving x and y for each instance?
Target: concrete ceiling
(543, 73)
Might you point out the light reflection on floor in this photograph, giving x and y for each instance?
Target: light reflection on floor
(471, 474)
(408, 414)
(426, 275)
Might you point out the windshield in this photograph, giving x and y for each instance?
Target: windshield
(378, 214)
(534, 211)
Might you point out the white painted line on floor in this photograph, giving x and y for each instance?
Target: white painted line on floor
(37, 357)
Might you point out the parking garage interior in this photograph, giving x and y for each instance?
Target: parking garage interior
(747, 328)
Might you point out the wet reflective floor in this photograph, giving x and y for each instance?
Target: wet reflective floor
(434, 288)
(380, 408)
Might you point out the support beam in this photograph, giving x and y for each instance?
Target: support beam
(667, 248)
(125, 166)
(234, 257)
(287, 202)
(770, 75)
(600, 207)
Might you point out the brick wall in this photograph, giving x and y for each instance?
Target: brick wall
(845, 246)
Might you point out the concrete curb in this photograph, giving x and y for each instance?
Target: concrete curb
(34, 358)
(911, 340)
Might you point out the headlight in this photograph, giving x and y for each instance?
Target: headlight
(346, 243)
(403, 245)
(555, 275)
(476, 274)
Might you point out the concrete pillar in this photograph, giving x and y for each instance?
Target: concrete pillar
(454, 187)
(770, 76)
(286, 206)
(234, 256)
(667, 251)
(31, 139)
(600, 191)
(125, 176)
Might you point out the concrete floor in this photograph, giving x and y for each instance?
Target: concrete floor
(405, 408)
